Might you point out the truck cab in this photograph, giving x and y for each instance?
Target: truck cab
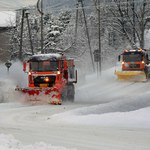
(51, 71)
(134, 60)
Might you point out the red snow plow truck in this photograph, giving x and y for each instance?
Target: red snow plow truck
(50, 77)
(134, 65)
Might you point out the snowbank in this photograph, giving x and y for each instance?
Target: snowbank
(8, 142)
(9, 81)
(117, 103)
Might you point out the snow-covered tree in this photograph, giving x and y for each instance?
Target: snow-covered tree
(128, 20)
(53, 26)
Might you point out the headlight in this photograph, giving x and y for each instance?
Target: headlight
(58, 72)
(46, 79)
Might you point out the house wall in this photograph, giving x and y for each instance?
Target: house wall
(4, 44)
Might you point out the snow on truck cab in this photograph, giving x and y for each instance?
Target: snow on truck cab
(51, 75)
(134, 65)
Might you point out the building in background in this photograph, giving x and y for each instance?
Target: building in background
(4, 43)
(7, 22)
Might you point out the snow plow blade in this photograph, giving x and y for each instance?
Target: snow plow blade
(48, 95)
(131, 75)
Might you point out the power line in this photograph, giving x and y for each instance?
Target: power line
(5, 5)
(86, 28)
(93, 7)
(8, 4)
(57, 5)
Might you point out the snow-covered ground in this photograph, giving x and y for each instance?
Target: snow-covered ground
(107, 115)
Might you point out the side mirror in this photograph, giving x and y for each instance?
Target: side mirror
(119, 57)
(76, 76)
(24, 66)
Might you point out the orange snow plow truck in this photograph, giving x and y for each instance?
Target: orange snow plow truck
(50, 77)
(134, 65)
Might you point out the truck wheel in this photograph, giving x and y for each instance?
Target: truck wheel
(1, 99)
(70, 93)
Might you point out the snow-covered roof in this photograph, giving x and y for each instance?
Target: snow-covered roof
(42, 57)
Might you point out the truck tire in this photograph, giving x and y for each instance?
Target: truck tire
(70, 93)
(64, 94)
(146, 72)
(1, 98)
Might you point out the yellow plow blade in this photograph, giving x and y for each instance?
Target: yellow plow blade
(131, 75)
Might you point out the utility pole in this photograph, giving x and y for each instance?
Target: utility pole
(127, 7)
(21, 34)
(76, 25)
(42, 51)
(41, 12)
(29, 30)
(133, 9)
(87, 32)
(99, 34)
(24, 15)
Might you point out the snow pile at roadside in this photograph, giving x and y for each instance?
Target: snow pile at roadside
(15, 74)
(9, 81)
(132, 113)
(118, 104)
(133, 119)
(8, 142)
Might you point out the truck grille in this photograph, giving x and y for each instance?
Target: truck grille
(136, 66)
(39, 80)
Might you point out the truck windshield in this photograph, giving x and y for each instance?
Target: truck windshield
(132, 57)
(43, 66)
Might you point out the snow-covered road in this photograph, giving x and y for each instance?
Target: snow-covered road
(106, 115)
(30, 124)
